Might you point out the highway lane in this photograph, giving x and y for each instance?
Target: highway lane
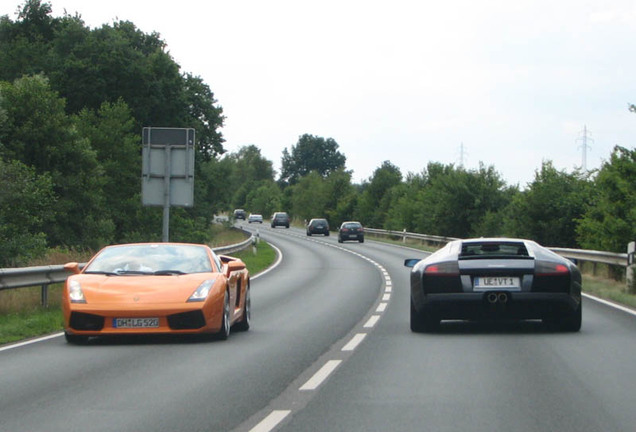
(476, 376)
(300, 309)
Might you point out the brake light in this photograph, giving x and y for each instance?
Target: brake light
(545, 268)
(450, 268)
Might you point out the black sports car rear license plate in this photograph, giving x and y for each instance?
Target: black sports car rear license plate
(496, 282)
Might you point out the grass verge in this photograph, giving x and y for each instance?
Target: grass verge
(609, 290)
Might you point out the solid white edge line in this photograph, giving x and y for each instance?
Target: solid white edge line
(354, 342)
(608, 303)
(273, 266)
(29, 342)
(321, 375)
(372, 321)
(271, 421)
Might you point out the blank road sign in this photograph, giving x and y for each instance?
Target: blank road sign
(168, 167)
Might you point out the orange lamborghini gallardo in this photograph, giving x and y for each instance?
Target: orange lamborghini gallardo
(152, 288)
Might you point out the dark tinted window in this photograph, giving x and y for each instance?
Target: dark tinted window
(351, 225)
(487, 249)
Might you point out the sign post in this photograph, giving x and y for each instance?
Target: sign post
(167, 177)
(630, 275)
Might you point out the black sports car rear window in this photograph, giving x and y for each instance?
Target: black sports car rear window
(493, 250)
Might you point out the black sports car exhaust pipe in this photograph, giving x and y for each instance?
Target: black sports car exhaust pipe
(497, 298)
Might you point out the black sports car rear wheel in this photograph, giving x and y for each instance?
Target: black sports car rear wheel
(569, 323)
(423, 322)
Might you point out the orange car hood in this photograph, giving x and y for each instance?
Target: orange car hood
(100, 289)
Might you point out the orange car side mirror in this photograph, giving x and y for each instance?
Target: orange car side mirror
(73, 267)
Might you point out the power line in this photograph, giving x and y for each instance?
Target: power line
(584, 147)
(462, 155)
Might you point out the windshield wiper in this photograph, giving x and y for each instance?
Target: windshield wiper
(101, 272)
(168, 272)
(133, 272)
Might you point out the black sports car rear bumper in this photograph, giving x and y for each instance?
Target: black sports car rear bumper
(497, 305)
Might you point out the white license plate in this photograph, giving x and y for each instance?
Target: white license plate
(497, 282)
(353, 235)
(135, 322)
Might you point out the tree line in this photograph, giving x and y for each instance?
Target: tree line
(73, 102)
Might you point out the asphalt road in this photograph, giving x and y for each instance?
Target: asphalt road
(330, 350)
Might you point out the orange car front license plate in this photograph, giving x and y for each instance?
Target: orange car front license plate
(135, 322)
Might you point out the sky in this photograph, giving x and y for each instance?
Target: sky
(507, 84)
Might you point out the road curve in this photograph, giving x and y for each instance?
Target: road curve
(468, 376)
(309, 302)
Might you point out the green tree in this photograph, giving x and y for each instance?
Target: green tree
(547, 211)
(264, 199)
(452, 201)
(26, 207)
(110, 131)
(89, 67)
(309, 196)
(40, 135)
(249, 170)
(373, 204)
(609, 221)
(311, 153)
(25, 44)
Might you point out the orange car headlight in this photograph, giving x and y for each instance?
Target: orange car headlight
(75, 293)
(202, 291)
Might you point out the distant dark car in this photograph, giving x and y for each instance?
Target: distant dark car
(240, 214)
(280, 219)
(495, 278)
(351, 230)
(318, 226)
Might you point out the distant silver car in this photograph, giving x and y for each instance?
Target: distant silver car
(256, 218)
(495, 279)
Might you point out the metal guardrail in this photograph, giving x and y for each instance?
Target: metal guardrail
(44, 276)
(619, 259)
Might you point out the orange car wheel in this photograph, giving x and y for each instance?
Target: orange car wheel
(244, 323)
(224, 332)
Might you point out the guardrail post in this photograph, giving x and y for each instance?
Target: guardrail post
(44, 296)
(630, 274)
(404, 236)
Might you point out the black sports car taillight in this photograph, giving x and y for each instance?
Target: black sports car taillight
(449, 268)
(551, 277)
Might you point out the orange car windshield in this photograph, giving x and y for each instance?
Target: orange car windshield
(158, 259)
